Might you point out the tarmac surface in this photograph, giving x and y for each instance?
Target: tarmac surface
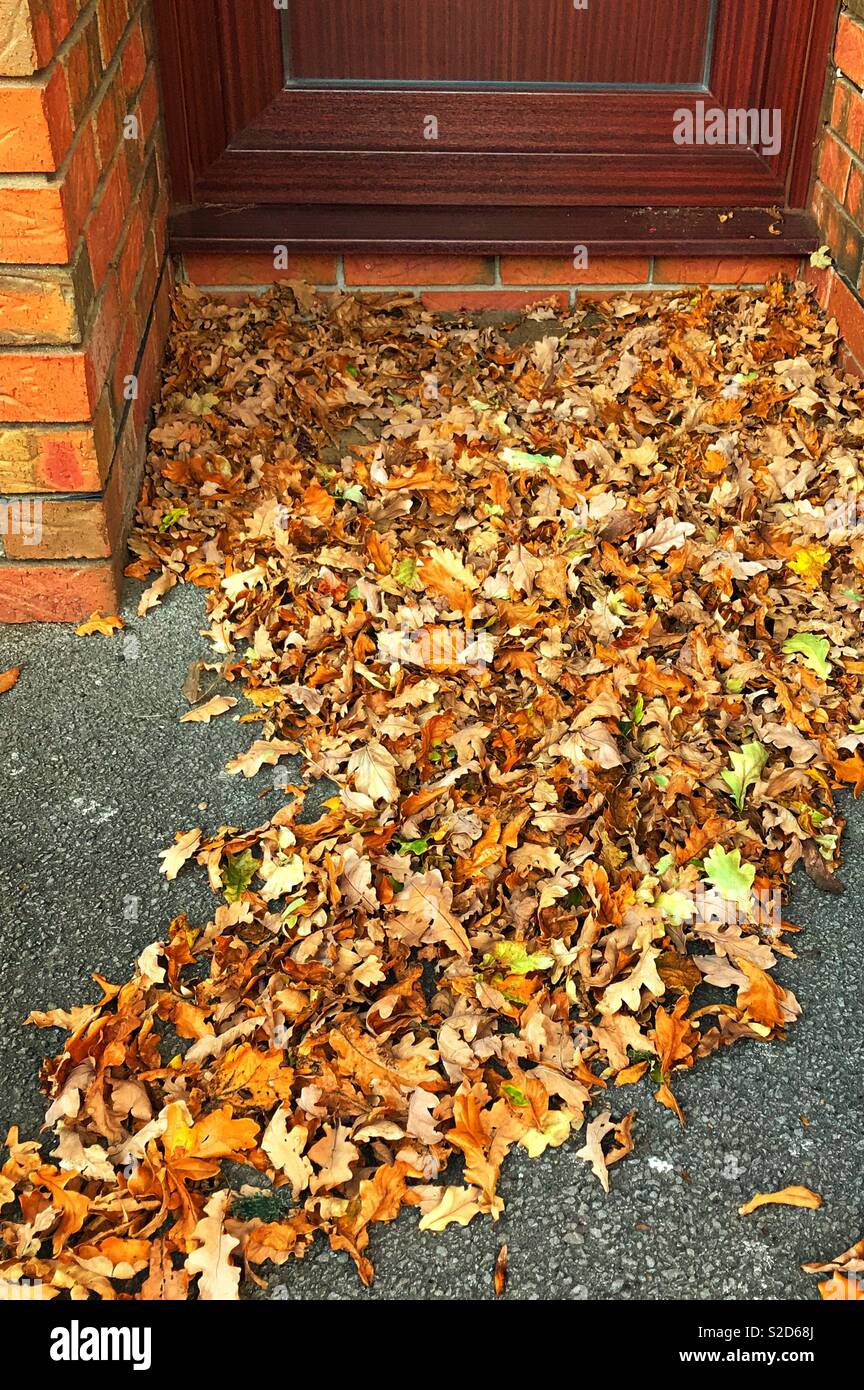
(97, 774)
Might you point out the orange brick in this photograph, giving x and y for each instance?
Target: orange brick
(148, 105)
(258, 270)
(43, 386)
(847, 116)
(729, 270)
(104, 334)
(419, 270)
(35, 127)
(58, 592)
(843, 238)
(131, 253)
(849, 49)
(67, 530)
(82, 177)
(57, 459)
(441, 300)
(103, 229)
(32, 226)
(848, 310)
(63, 14)
(855, 194)
(84, 69)
(559, 270)
(108, 120)
(133, 63)
(834, 165)
(35, 311)
(113, 15)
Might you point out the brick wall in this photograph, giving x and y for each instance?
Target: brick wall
(84, 295)
(483, 282)
(838, 196)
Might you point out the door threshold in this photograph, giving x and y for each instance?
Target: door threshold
(540, 231)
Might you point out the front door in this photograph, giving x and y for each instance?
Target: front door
(476, 102)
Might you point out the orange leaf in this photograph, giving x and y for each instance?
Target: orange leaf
(761, 1001)
(106, 627)
(788, 1197)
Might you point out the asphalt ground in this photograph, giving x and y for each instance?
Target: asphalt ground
(97, 774)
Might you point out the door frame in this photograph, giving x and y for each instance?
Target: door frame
(226, 122)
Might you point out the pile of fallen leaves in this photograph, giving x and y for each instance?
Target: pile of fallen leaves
(570, 621)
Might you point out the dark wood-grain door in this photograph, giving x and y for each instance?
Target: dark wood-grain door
(478, 102)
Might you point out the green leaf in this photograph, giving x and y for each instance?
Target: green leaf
(518, 1097)
(405, 573)
(814, 651)
(663, 865)
(821, 259)
(237, 874)
(732, 879)
(516, 960)
(413, 846)
(517, 458)
(675, 907)
(747, 766)
(200, 402)
(171, 517)
(353, 493)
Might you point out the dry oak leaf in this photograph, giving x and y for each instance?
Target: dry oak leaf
(443, 573)
(190, 1149)
(762, 1001)
(334, 1154)
(97, 623)
(164, 1283)
(424, 902)
(629, 991)
(213, 708)
(156, 592)
(9, 678)
(263, 751)
(174, 858)
(457, 1204)
(372, 769)
(788, 1197)
(851, 1260)
(592, 1150)
(284, 1148)
(218, 1280)
(851, 770)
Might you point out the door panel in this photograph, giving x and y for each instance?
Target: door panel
(519, 118)
(510, 41)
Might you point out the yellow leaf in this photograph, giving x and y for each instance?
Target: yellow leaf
(788, 1197)
(809, 562)
(97, 623)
